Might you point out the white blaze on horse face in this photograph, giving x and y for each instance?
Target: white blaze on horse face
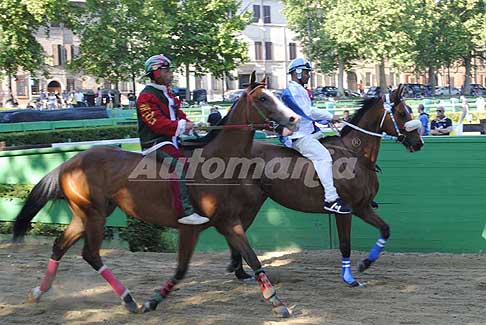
(288, 114)
(412, 125)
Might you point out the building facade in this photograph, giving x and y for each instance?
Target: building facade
(271, 47)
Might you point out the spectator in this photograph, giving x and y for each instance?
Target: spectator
(346, 116)
(480, 104)
(442, 125)
(361, 88)
(109, 99)
(99, 96)
(79, 98)
(131, 99)
(43, 98)
(65, 98)
(424, 120)
(51, 101)
(214, 117)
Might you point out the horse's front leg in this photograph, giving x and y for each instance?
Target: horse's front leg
(369, 215)
(236, 237)
(236, 265)
(343, 223)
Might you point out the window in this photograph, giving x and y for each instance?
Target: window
(256, 13)
(369, 79)
(70, 85)
(243, 80)
(258, 51)
(268, 51)
(292, 51)
(21, 86)
(35, 85)
(266, 15)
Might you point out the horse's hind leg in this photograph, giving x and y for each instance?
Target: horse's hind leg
(236, 265)
(343, 223)
(91, 254)
(187, 242)
(62, 243)
(236, 236)
(369, 215)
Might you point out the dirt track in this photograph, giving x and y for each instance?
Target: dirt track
(400, 289)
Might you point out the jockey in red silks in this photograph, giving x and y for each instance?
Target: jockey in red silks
(161, 122)
(306, 139)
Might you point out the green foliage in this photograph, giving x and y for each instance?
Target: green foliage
(73, 135)
(19, 21)
(20, 191)
(143, 237)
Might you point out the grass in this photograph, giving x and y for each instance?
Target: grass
(15, 191)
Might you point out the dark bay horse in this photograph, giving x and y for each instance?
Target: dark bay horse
(354, 156)
(95, 181)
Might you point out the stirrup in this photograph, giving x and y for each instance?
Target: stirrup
(193, 219)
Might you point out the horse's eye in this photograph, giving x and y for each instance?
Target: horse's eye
(262, 99)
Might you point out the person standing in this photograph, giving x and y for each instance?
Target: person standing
(160, 120)
(424, 120)
(442, 125)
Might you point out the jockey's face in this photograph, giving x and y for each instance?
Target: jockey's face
(304, 79)
(163, 76)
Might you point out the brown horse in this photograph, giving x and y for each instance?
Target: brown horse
(354, 155)
(94, 182)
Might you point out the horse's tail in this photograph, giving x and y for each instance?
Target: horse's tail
(47, 189)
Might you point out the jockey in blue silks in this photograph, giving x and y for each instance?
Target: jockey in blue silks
(306, 139)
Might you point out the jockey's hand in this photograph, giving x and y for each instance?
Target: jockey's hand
(286, 132)
(336, 119)
(189, 126)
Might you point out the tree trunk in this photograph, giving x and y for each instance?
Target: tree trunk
(467, 79)
(383, 86)
(188, 91)
(340, 78)
(431, 73)
(134, 84)
(10, 93)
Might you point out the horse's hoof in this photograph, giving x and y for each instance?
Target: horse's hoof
(363, 265)
(233, 266)
(281, 311)
(34, 295)
(149, 305)
(356, 284)
(130, 304)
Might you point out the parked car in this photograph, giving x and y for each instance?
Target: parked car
(179, 92)
(415, 90)
(373, 91)
(350, 93)
(234, 95)
(321, 93)
(446, 91)
(477, 90)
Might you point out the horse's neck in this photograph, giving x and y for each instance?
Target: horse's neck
(362, 143)
(231, 142)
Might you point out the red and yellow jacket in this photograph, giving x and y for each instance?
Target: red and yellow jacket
(156, 122)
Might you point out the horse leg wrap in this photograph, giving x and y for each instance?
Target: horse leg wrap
(346, 273)
(267, 288)
(117, 286)
(164, 291)
(376, 249)
(49, 276)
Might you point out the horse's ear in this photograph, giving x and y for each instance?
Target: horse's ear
(397, 94)
(253, 78)
(264, 80)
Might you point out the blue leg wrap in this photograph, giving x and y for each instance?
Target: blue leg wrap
(346, 273)
(376, 250)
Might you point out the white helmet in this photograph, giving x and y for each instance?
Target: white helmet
(299, 64)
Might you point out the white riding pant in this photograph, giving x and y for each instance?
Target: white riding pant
(310, 147)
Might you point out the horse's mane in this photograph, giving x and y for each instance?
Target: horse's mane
(365, 104)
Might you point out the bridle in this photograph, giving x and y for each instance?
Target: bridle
(387, 111)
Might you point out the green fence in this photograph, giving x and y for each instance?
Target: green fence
(434, 201)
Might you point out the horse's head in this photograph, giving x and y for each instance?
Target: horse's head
(397, 121)
(263, 105)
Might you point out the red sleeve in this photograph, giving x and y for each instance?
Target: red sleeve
(148, 106)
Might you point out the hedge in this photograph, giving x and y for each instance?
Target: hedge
(69, 135)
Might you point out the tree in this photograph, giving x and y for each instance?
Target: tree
(117, 36)
(205, 37)
(19, 21)
(313, 23)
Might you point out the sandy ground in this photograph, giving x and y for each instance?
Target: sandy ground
(400, 289)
